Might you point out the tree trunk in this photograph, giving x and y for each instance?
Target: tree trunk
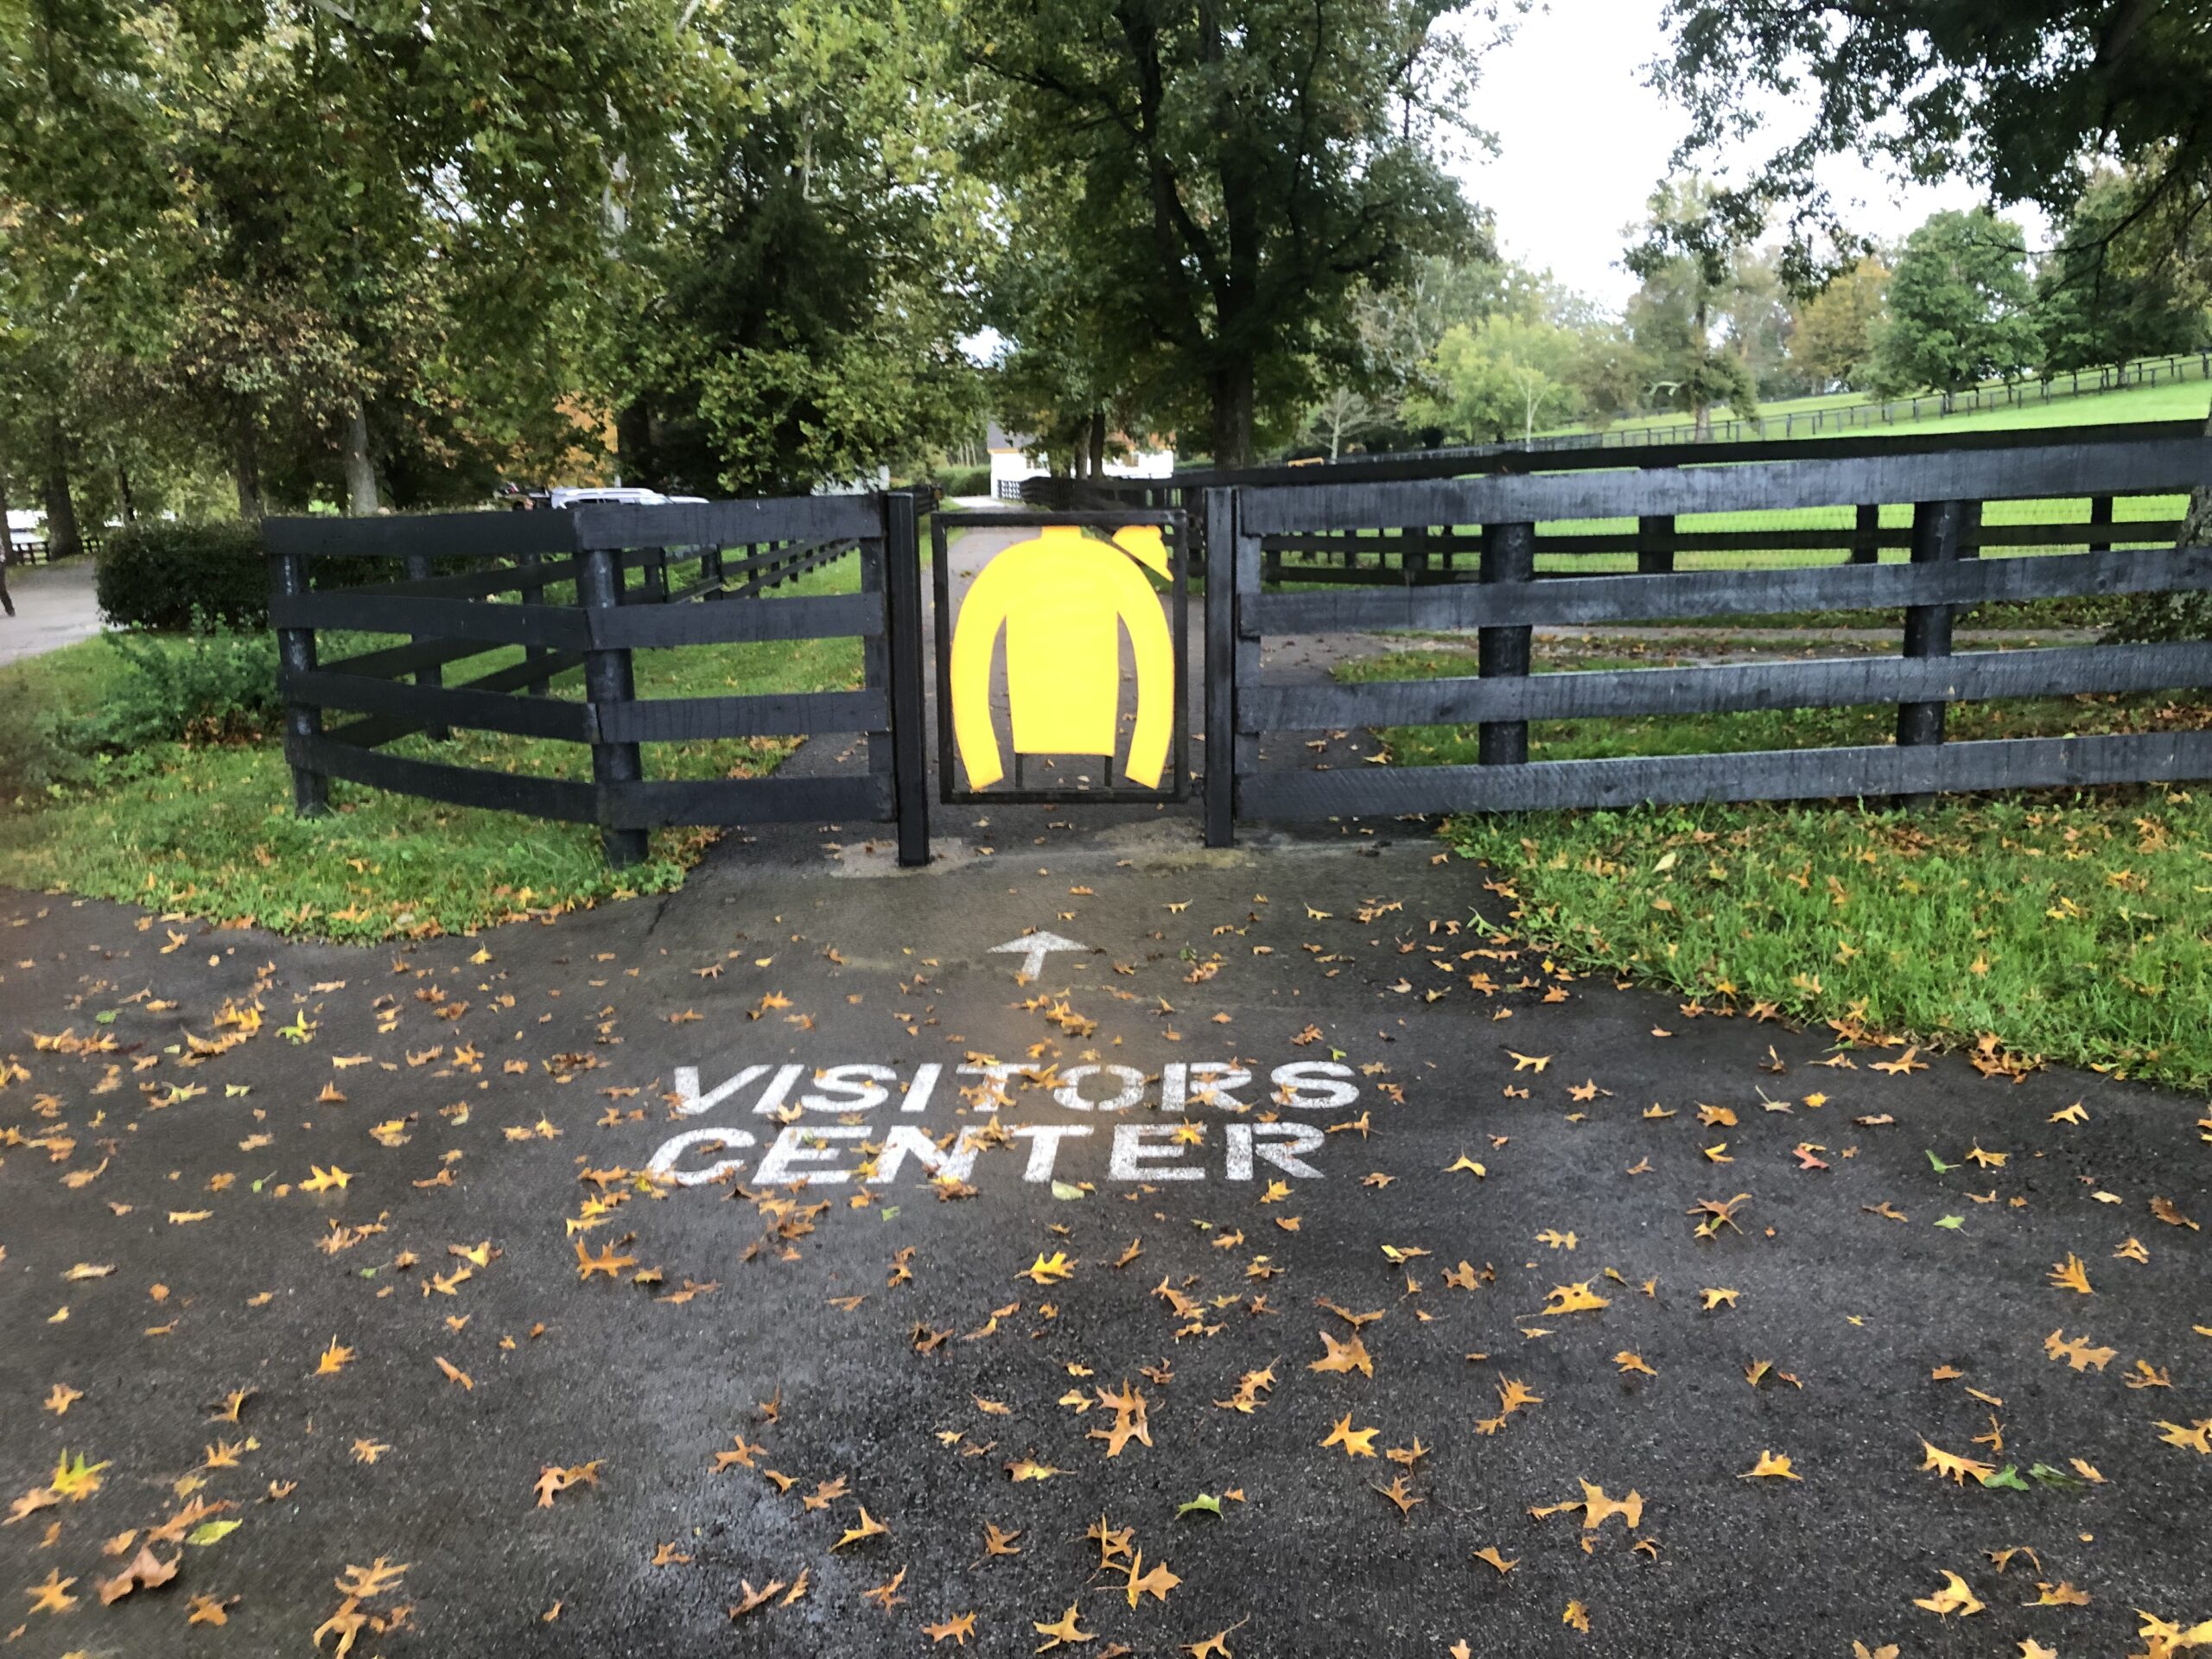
(2171, 617)
(1232, 413)
(124, 499)
(2196, 525)
(1701, 408)
(360, 474)
(62, 541)
(633, 438)
(246, 471)
(7, 531)
(1097, 443)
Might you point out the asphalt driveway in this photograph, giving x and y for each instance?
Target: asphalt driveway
(1297, 1264)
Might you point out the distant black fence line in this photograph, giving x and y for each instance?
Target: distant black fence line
(1516, 458)
(26, 550)
(1418, 557)
(2015, 394)
(727, 556)
(1504, 601)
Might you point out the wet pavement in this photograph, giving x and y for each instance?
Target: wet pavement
(1075, 1253)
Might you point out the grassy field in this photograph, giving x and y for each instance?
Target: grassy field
(2074, 926)
(2137, 403)
(2170, 401)
(207, 830)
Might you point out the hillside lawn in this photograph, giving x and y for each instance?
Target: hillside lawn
(2179, 400)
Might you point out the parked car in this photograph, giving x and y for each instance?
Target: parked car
(519, 500)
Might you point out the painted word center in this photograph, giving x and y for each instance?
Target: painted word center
(1245, 1119)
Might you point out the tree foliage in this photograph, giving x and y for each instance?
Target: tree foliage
(1832, 340)
(1500, 380)
(2013, 95)
(807, 276)
(1233, 172)
(385, 251)
(2121, 283)
(1688, 259)
(1959, 306)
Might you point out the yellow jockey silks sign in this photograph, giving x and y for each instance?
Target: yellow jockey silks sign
(1062, 600)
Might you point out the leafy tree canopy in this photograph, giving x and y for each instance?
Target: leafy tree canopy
(2013, 93)
(806, 278)
(1689, 258)
(1833, 342)
(1233, 171)
(1958, 305)
(2119, 285)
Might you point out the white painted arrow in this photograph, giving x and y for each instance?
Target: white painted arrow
(1034, 948)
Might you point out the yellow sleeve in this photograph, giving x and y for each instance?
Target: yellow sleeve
(1154, 651)
(976, 630)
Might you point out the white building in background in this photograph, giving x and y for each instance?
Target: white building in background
(1012, 460)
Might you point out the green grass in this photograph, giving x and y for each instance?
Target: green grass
(75, 677)
(2168, 401)
(1765, 728)
(2075, 926)
(208, 831)
(2078, 610)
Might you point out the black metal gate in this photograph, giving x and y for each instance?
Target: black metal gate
(580, 591)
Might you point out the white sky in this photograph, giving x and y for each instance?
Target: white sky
(1583, 141)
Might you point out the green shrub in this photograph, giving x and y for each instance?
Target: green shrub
(971, 480)
(217, 686)
(159, 576)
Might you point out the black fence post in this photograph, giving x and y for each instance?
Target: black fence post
(288, 579)
(1413, 555)
(902, 561)
(1866, 534)
(609, 680)
(1509, 560)
(710, 572)
(419, 569)
(1939, 533)
(2100, 513)
(655, 579)
(876, 663)
(1221, 674)
(1655, 545)
(533, 593)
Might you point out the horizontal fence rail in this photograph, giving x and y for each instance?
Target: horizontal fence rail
(1326, 556)
(581, 592)
(1465, 551)
(1400, 466)
(25, 551)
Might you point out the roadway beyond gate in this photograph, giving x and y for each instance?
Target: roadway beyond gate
(1101, 1245)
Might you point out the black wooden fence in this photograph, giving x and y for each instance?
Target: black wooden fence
(580, 591)
(26, 551)
(1403, 465)
(1495, 518)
